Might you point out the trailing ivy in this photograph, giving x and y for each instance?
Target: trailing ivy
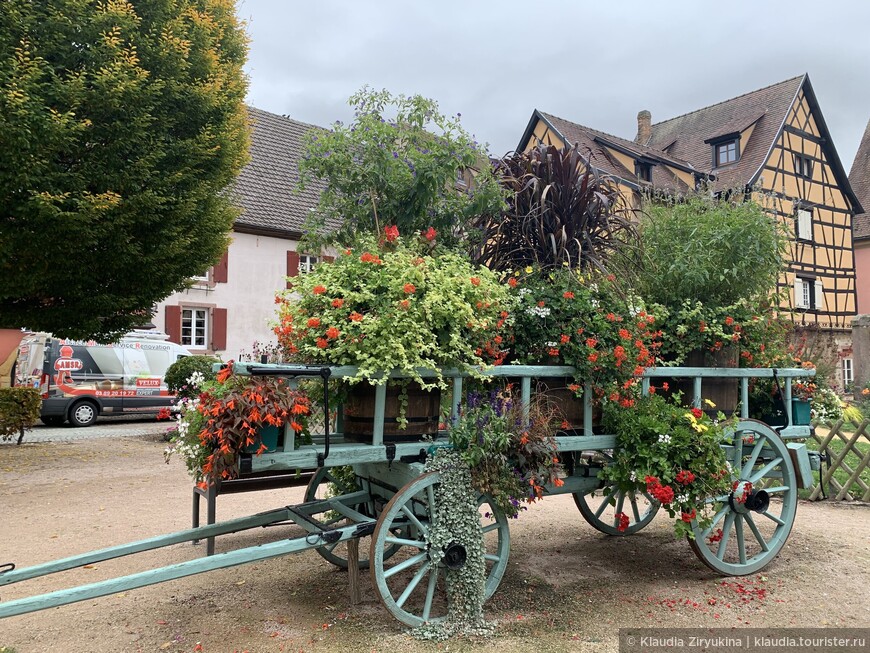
(456, 520)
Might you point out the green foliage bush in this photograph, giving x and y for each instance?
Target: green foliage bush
(181, 370)
(19, 410)
(717, 251)
(122, 123)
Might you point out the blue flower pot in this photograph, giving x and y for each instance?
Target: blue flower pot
(269, 435)
(800, 412)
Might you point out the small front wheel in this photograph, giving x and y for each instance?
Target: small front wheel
(753, 521)
(83, 413)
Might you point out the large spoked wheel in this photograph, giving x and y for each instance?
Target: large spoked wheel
(753, 522)
(601, 511)
(409, 584)
(331, 482)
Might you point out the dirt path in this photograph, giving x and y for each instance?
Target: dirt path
(567, 587)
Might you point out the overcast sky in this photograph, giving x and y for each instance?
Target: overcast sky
(594, 63)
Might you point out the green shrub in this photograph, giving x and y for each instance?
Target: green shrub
(181, 370)
(19, 410)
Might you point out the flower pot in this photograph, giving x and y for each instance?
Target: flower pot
(800, 412)
(270, 436)
(723, 392)
(421, 412)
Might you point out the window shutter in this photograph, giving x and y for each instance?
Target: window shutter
(292, 266)
(819, 296)
(173, 323)
(805, 224)
(799, 294)
(221, 270)
(328, 259)
(219, 329)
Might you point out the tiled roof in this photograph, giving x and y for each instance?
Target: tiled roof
(593, 141)
(685, 135)
(859, 177)
(265, 187)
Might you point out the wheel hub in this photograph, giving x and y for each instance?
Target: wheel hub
(758, 501)
(744, 498)
(454, 556)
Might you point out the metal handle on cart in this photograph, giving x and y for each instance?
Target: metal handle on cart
(324, 373)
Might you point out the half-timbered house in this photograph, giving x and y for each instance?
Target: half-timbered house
(773, 140)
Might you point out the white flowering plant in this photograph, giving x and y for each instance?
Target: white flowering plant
(565, 317)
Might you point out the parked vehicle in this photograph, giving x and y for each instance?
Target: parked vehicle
(81, 380)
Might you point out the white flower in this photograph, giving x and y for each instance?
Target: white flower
(682, 498)
(540, 311)
(633, 476)
(524, 291)
(664, 438)
(552, 344)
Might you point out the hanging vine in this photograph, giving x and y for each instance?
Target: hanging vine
(456, 520)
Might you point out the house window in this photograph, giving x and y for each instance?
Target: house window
(726, 152)
(848, 377)
(803, 166)
(808, 293)
(460, 178)
(804, 226)
(306, 263)
(643, 171)
(202, 278)
(194, 327)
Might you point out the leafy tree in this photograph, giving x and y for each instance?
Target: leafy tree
(389, 168)
(121, 124)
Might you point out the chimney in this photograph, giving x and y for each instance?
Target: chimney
(644, 127)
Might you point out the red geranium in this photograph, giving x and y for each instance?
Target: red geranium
(391, 233)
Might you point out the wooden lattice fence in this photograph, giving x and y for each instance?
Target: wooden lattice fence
(845, 473)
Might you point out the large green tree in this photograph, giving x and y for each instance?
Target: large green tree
(121, 124)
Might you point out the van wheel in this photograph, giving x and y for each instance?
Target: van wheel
(52, 420)
(83, 413)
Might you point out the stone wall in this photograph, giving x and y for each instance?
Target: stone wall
(827, 348)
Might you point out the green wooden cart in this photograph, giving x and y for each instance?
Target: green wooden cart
(389, 498)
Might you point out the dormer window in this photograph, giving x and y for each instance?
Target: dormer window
(726, 149)
(803, 166)
(726, 152)
(643, 171)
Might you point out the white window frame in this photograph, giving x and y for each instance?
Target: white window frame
(848, 373)
(197, 318)
(804, 226)
(460, 178)
(307, 263)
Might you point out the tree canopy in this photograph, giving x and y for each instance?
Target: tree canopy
(122, 122)
(397, 164)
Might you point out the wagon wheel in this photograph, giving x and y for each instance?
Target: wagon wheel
(600, 511)
(753, 522)
(409, 585)
(319, 488)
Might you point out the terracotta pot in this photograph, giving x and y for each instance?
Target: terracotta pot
(422, 413)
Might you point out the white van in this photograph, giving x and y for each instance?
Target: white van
(80, 380)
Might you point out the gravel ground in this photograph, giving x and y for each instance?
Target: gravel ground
(567, 587)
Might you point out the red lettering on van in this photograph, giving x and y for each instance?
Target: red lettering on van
(147, 383)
